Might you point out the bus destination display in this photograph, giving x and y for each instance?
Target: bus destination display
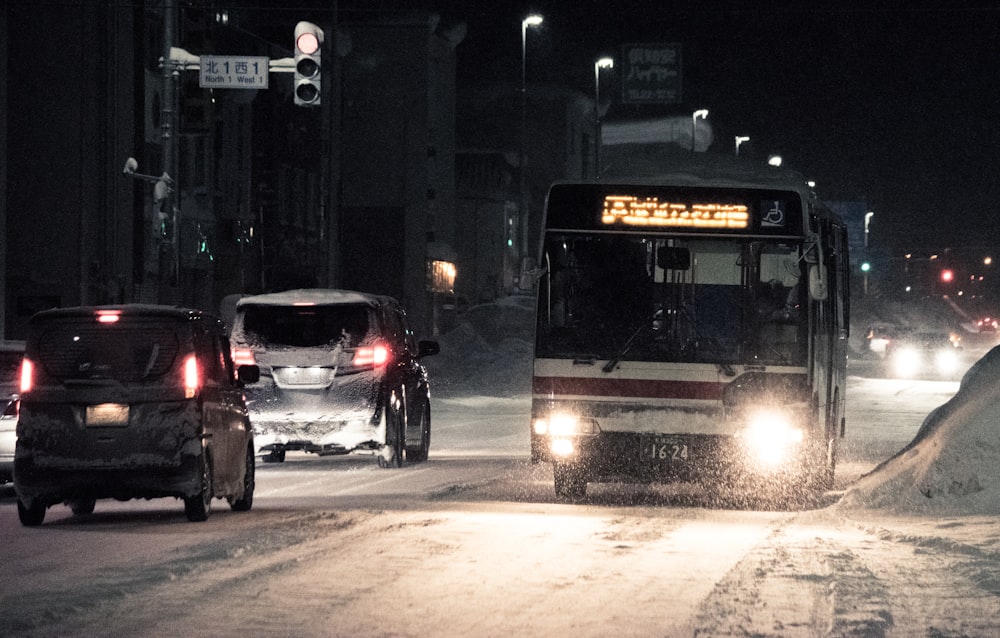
(650, 211)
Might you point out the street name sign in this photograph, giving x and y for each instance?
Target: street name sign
(233, 72)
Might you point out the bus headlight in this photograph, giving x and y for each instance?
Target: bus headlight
(770, 436)
(563, 430)
(562, 424)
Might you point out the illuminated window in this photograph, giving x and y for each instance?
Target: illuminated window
(441, 276)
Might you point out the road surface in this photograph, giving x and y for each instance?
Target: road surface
(475, 542)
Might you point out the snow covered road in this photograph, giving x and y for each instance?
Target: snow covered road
(474, 542)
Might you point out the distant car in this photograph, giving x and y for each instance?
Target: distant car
(879, 337)
(341, 372)
(11, 353)
(987, 324)
(131, 401)
(923, 354)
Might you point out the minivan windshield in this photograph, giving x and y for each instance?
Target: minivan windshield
(276, 326)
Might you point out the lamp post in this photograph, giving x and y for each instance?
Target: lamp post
(601, 63)
(868, 219)
(532, 20)
(739, 140)
(703, 114)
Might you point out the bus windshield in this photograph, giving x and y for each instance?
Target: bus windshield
(635, 297)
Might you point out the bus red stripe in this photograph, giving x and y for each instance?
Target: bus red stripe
(650, 388)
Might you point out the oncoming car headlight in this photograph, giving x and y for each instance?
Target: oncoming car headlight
(906, 361)
(946, 361)
(770, 436)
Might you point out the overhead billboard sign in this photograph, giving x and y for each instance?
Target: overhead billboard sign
(651, 73)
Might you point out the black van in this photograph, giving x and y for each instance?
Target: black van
(131, 401)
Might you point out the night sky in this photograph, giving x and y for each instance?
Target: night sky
(896, 107)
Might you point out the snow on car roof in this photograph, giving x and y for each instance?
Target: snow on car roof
(317, 296)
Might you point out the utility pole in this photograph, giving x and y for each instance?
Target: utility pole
(168, 134)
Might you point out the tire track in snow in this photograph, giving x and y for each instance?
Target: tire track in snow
(802, 581)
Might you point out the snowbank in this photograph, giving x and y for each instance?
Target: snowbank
(952, 466)
(489, 353)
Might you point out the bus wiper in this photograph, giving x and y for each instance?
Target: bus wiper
(613, 361)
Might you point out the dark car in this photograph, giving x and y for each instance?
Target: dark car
(340, 373)
(131, 401)
(11, 353)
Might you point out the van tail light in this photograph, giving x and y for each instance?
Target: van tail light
(243, 357)
(192, 376)
(374, 356)
(27, 375)
(108, 316)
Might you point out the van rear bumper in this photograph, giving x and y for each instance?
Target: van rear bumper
(67, 482)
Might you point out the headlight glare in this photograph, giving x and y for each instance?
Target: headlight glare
(541, 426)
(906, 361)
(946, 361)
(562, 447)
(562, 424)
(770, 435)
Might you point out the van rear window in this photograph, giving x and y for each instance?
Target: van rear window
(272, 326)
(131, 350)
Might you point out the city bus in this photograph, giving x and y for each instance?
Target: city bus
(690, 330)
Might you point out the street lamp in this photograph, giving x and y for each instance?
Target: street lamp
(702, 113)
(532, 20)
(739, 140)
(601, 63)
(868, 219)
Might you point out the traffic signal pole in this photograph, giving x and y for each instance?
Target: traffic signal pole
(168, 134)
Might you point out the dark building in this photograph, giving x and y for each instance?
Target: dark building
(123, 179)
(262, 194)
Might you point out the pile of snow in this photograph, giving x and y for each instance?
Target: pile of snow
(952, 466)
(489, 353)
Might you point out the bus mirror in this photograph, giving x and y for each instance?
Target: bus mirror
(673, 258)
(818, 288)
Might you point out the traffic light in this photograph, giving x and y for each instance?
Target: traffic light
(866, 266)
(947, 275)
(308, 63)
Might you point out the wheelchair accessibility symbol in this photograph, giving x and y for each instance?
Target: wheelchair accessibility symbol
(774, 214)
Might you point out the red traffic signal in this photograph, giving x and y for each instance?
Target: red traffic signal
(308, 64)
(947, 275)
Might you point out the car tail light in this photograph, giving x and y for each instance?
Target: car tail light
(243, 357)
(27, 375)
(108, 316)
(377, 355)
(192, 376)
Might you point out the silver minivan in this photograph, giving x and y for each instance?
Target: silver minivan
(340, 372)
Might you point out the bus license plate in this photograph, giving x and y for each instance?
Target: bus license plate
(664, 449)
